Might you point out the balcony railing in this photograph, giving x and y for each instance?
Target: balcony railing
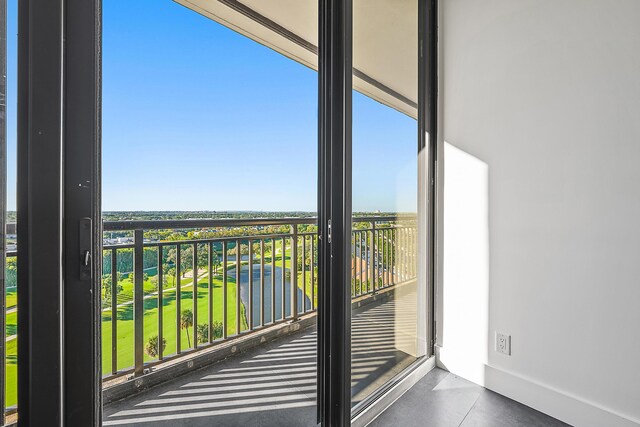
(211, 281)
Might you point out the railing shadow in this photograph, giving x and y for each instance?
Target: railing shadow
(274, 384)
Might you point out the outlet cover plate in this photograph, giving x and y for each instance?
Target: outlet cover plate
(503, 343)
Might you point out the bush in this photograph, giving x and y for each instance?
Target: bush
(202, 332)
(217, 330)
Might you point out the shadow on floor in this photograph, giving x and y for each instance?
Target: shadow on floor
(272, 385)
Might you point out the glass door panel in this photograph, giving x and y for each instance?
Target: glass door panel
(210, 146)
(388, 300)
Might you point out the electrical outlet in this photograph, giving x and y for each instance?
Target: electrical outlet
(503, 343)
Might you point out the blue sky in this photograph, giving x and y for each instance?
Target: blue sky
(197, 117)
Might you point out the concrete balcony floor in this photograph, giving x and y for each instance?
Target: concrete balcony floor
(273, 384)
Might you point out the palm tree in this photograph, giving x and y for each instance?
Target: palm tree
(152, 348)
(216, 262)
(186, 321)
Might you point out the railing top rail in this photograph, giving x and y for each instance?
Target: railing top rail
(230, 222)
(222, 222)
(200, 223)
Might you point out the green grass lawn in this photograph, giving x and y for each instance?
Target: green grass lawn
(11, 299)
(126, 294)
(125, 321)
(11, 372)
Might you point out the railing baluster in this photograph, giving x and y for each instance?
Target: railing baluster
(372, 260)
(393, 256)
(360, 261)
(367, 260)
(262, 311)
(388, 253)
(392, 243)
(210, 289)
(388, 239)
(407, 251)
(385, 257)
(194, 295)
(403, 253)
(178, 298)
(138, 302)
(383, 250)
(312, 261)
(413, 253)
(381, 255)
(160, 303)
(409, 254)
(224, 288)
(353, 265)
(273, 281)
(294, 272)
(250, 308)
(380, 247)
(238, 283)
(400, 249)
(407, 272)
(114, 311)
(284, 271)
(407, 246)
(354, 292)
(304, 273)
(354, 260)
(387, 234)
(407, 259)
(379, 261)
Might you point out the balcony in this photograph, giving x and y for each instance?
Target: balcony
(240, 307)
(235, 319)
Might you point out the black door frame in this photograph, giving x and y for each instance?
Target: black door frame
(334, 212)
(428, 140)
(58, 212)
(334, 195)
(82, 390)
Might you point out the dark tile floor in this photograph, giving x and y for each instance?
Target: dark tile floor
(441, 399)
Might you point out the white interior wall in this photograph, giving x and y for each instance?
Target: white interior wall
(541, 202)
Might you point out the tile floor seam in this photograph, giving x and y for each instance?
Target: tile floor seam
(470, 409)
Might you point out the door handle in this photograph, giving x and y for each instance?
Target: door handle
(85, 236)
(86, 259)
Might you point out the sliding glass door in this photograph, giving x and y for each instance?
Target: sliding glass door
(258, 306)
(388, 287)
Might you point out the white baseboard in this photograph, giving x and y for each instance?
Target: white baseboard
(558, 404)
